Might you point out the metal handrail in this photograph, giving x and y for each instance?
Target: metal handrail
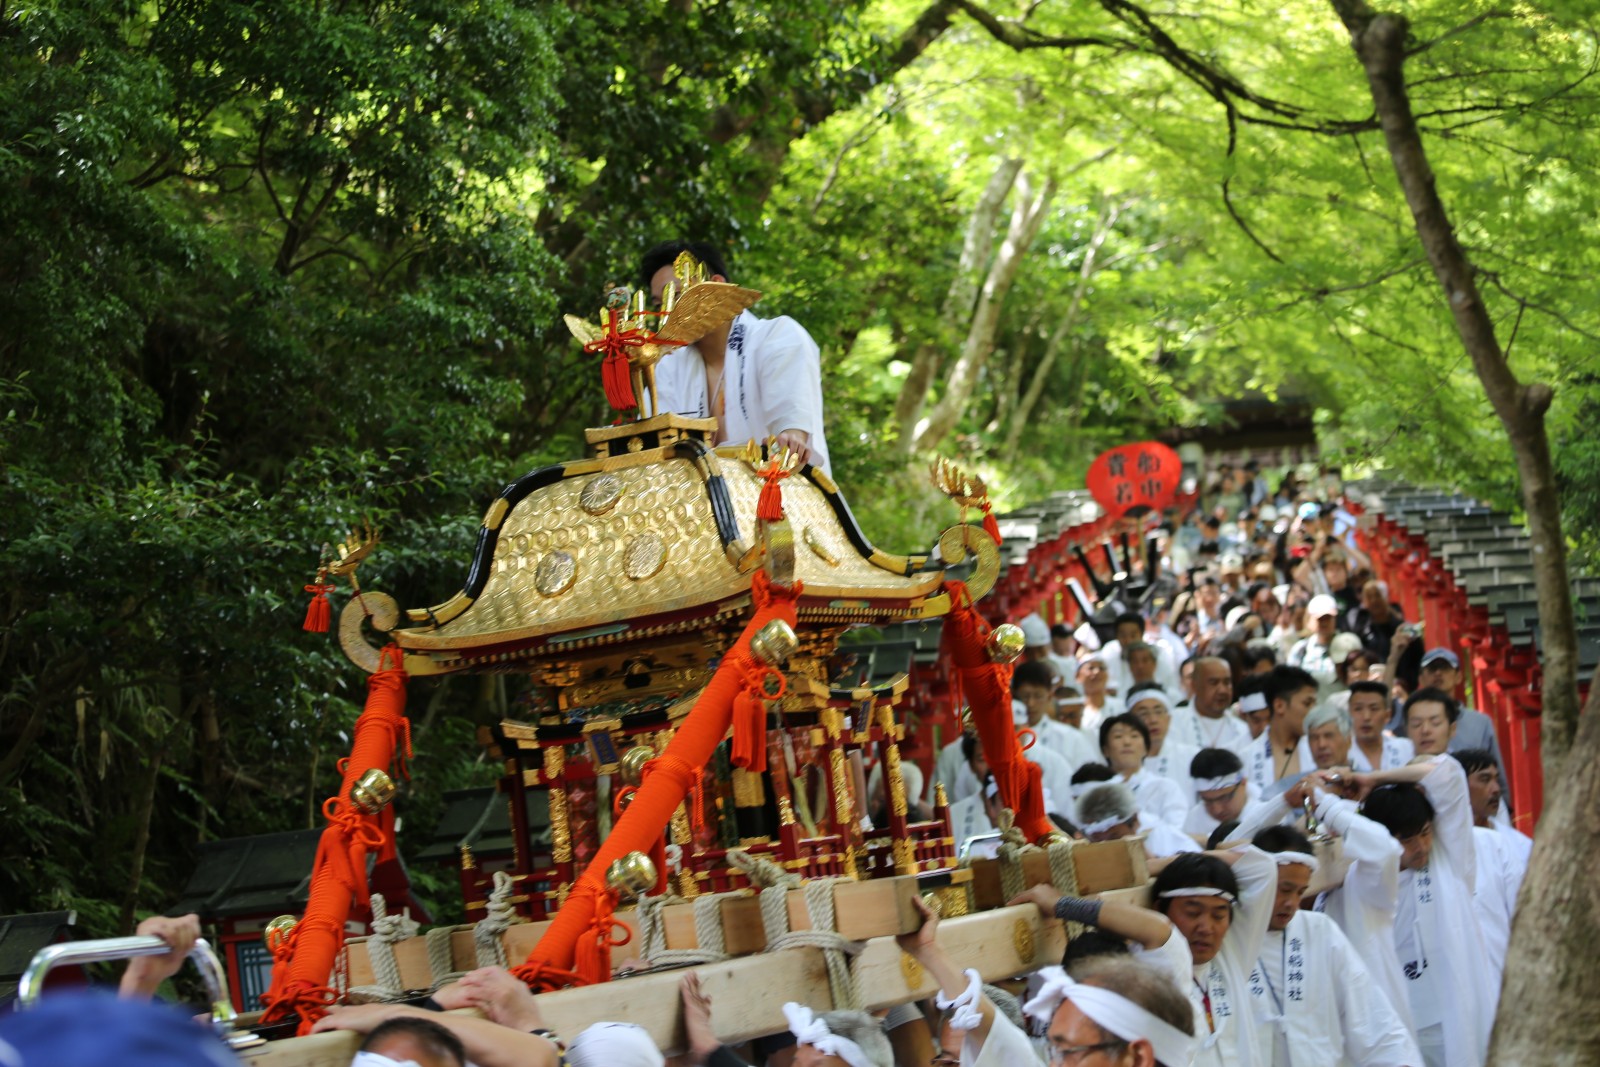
(72, 953)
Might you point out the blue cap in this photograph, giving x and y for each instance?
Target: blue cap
(95, 1029)
(1435, 655)
(1310, 510)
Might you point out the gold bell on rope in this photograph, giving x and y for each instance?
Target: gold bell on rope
(631, 766)
(276, 931)
(775, 642)
(1005, 644)
(372, 791)
(633, 875)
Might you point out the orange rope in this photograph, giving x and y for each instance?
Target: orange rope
(987, 687)
(339, 875)
(666, 782)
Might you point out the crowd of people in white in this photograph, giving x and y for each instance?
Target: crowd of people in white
(1279, 702)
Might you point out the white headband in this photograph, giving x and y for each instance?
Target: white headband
(1112, 1011)
(808, 1029)
(964, 1007)
(1077, 789)
(1227, 781)
(1158, 695)
(1200, 891)
(1285, 859)
(1107, 823)
(378, 1059)
(1253, 702)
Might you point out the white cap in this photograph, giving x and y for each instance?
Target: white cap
(1341, 647)
(1035, 631)
(1322, 604)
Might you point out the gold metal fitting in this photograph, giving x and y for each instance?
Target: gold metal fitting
(631, 766)
(1053, 837)
(274, 933)
(1005, 644)
(775, 642)
(372, 791)
(633, 875)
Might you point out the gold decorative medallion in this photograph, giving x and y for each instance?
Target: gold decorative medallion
(820, 548)
(911, 971)
(555, 573)
(1022, 941)
(644, 556)
(600, 494)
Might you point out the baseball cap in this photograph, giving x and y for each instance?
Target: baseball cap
(1441, 655)
(1310, 510)
(1035, 631)
(1322, 604)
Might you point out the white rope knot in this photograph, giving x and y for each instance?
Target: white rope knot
(386, 930)
(498, 916)
(1012, 848)
(963, 1008)
(837, 952)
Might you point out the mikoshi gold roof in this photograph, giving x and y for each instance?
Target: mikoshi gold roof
(654, 541)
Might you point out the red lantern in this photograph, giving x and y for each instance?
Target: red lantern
(1143, 475)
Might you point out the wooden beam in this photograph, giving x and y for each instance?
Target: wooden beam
(748, 993)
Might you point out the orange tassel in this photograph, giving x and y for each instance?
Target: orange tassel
(769, 506)
(749, 732)
(318, 611)
(990, 527)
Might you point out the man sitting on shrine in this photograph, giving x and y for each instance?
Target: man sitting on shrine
(758, 378)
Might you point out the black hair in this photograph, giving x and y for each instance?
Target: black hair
(1255, 589)
(1060, 630)
(667, 252)
(1193, 870)
(1209, 579)
(425, 1032)
(1034, 672)
(1473, 760)
(1282, 839)
(1452, 710)
(1144, 687)
(1215, 763)
(1092, 772)
(1220, 835)
(1377, 689)
(1093, 944)
(1260, 652)
(1283, 681)
(1125, 719)
(1251, 683)
(969, 746)
(1129, 617)
(1403, 809)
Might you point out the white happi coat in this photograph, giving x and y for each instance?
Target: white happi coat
(1191, 728)
(1364, 906)
(1161, 840)
(1261, 764)
(1157, 797)
(969, 819)
(1311, 992)
(1502, 862)
(1436, 932)
(772, 381)
(1397, 752)
(1173, 764)
(1228, 1036)
(951, 768)
(1006, 1046)
(1068, 742)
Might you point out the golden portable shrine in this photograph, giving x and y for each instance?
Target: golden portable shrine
(673, 606)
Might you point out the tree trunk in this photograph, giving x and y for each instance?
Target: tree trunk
(1041, 374)
(1379, 41)
(958, 300)
(1027, 215)
(1550, 994)
(141, 840)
